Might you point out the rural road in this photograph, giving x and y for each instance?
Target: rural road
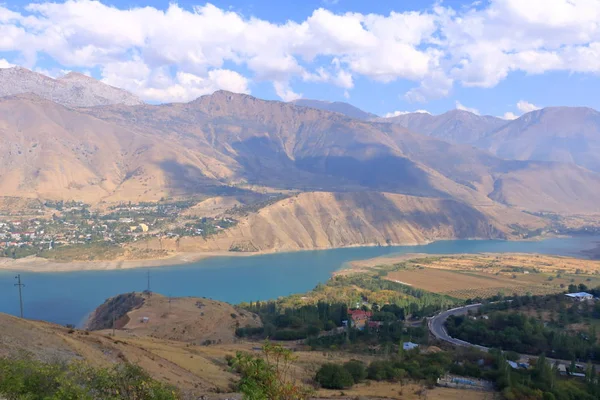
(437, 328)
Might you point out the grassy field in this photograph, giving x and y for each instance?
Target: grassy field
(387, 390)
(470, 276)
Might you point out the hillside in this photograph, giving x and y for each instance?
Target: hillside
(72, 90)
(327, 220)
(183, 319)
(53, 343)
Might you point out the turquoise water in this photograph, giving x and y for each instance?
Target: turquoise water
(67, 297)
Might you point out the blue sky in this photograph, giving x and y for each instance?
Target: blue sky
(496, 57)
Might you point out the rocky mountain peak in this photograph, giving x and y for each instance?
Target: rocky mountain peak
(71, 90)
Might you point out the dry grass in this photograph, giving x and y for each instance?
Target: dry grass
(386, 390)
(187, 319)
(485, 275)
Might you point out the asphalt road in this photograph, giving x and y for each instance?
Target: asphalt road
(437, 328)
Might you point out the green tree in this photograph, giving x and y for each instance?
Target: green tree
(357, 369)
(333, 376)
(268, 377)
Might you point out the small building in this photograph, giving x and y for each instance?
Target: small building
(409, 346)
(580, 296)
(359, 318)
(562, 369)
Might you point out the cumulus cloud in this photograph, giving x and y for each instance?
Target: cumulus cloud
(526, 107)
(477, 45)
(397, 113)
(509, 116)
(460, 106)
(284, 91)
(5, 64)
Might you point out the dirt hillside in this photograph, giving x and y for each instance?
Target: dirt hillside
(184, 319)
(320, 220)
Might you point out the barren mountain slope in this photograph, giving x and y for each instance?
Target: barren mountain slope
(560, 188)
(325, 220)
(143, 153)
(50, 151)
(277, 144)
(565, 134)
(73, 89)
(280, 145)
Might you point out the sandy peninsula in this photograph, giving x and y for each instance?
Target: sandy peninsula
(37, 264)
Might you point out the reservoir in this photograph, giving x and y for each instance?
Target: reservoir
(68, 297)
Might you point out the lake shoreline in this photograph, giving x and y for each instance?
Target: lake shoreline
(42, 265)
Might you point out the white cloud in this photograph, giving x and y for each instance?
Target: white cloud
(477, 45)
(286, 93)
(397, 113)
(509, 116)
(460, 106)
(526, 107)
(5, 64)
(158, 85)
(523, 107)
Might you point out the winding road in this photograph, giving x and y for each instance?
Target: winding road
(437, 328)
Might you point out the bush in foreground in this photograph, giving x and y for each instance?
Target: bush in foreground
(357, 369)
(34, 380)
(333, 376)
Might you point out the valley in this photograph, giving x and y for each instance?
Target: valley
(183, 248)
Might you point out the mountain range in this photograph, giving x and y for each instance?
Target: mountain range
(360, 181)
(563, 134)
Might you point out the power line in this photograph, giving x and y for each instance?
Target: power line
(20, 286)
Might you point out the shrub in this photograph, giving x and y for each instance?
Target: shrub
(357, 369)
(34, 380)
(380, 370)
(333, 376)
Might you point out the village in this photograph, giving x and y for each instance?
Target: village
(59, 224)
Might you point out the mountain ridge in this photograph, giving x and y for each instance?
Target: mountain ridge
(71, 90)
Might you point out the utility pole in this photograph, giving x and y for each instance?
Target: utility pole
(148, 289)
(113, 324)
(20, 286)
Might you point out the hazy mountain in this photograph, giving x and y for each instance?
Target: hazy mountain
(565, 134)
(454, 126)
(336, 106)
(72, 90)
